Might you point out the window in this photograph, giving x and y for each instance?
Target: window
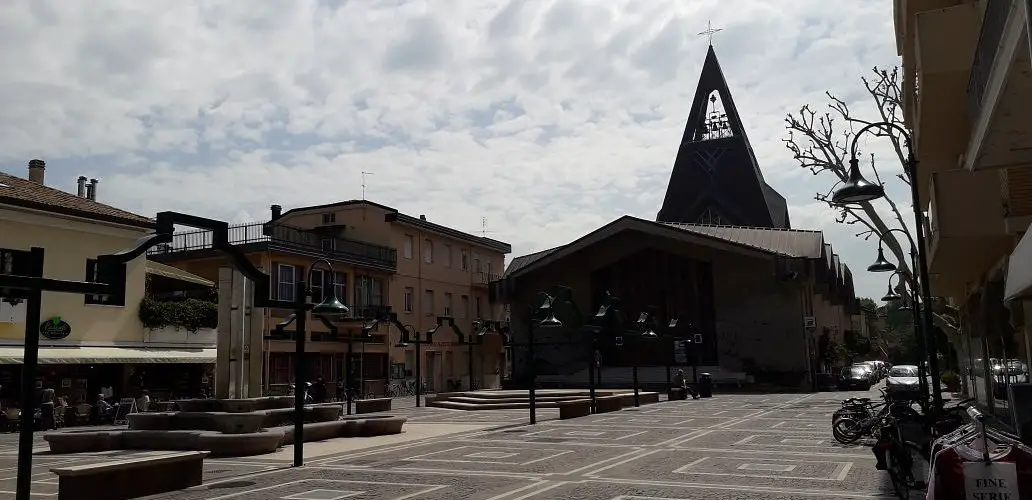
(409, 292)
(329, 218)
(712, 217)
(447, 303)
(476, 263)
(447, 255)
(285, 274)
(408, 246)
(428, 251)
(428, 302)
(464, 306)
(476, 304)
(280, 368)
(92, 276)
(340, 286)
(329, 244)
(317, 285)
(465, 259)
(368, 292)
(489, 273)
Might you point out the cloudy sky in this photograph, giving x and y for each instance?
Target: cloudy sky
(547, 118)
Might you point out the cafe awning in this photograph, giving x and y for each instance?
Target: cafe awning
(13, 355)
(1019, 270)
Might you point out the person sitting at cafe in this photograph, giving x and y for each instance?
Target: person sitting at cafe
(101, 410)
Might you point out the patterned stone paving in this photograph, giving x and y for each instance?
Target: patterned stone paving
(741, 447)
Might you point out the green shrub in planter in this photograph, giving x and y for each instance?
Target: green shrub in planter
(950, 380)
(189, 314)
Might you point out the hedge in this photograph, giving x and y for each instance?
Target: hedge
(190, 314)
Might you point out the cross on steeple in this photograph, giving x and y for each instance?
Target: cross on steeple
(710, 31)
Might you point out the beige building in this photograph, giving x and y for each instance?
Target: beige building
(86, 343)
(380, 257)
(968, 87)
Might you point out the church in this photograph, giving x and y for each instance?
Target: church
(720, 265)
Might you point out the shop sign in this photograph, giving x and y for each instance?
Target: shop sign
(55, 328)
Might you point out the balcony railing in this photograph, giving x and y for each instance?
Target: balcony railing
(287, 238)
(482, 278)
(996, 13)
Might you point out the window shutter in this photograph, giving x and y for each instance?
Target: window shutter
(274, 282)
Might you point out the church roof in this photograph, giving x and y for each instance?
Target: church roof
(789, 243)
(715, 163)
(793, 243)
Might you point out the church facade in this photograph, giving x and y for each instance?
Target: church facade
(764, 300)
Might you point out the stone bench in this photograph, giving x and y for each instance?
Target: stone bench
(574, 409)
(677, 394)
(606, 404)
(647, 398)
(132, 478)
(372, 405)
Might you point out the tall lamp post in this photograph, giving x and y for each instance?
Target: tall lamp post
(592, 327)
(329, 307)
(858, 190)
(409, 336)
(27, 282)
(645, 332)
(111, 282)
(892, 297)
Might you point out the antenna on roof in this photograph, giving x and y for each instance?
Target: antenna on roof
(364, 173)
(483, 227)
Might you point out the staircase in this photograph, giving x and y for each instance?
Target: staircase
(652, 377)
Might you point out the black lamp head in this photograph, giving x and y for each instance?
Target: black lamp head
(881, 265)
(890, 295)
(550, 321)
(856, 189)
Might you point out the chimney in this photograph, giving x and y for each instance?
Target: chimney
(81, 186)
(91, 190)
(36, 170)
(277, 211)
(422, 217)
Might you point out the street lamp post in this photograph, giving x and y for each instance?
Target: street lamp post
(858, 190)
(892, 296)
(646, 332)
(27, 282)
(111, 282)
(409, 336)
(329, 307)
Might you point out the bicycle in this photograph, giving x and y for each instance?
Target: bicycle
(850, 428)
(895, 453)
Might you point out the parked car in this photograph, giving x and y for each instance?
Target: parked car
(872, 377)
(854, 377)
(903, 379)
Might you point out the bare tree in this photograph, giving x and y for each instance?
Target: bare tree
(820, 142)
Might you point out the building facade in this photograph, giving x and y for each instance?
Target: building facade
(87, 344)
(766, 304)
(967, 78)
(381, 258)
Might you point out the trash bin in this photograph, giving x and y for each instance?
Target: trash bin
(705, 385)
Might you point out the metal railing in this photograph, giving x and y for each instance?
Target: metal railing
(288, 237)
(993, 24)
(483, 278)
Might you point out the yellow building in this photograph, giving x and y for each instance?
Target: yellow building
(86, 344)
(380, 258)
(967, 89)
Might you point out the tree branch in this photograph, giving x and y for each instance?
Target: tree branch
(819, 147)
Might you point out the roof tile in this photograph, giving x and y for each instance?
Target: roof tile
(23, 192)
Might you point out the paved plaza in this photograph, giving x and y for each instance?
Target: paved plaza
(743, 447)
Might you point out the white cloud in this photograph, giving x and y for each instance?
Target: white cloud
(531, 113)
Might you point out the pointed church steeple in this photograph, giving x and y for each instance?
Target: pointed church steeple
(715, 179)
